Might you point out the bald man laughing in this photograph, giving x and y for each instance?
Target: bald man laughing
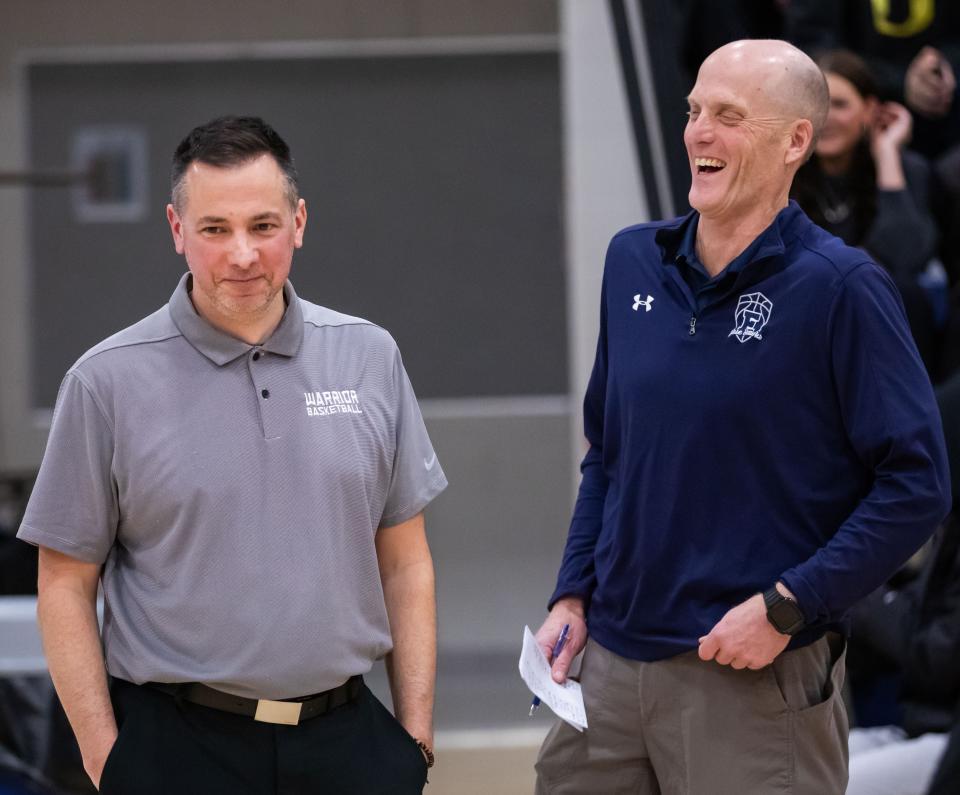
(764, 450)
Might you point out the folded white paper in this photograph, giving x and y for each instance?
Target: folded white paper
(565, 700)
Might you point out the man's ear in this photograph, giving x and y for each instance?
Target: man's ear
(801, 137)
(176, 228)
(299, 223)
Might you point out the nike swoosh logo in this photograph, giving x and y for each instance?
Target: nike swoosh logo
(429, 464)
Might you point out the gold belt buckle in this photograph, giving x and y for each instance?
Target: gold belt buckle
(286, 712)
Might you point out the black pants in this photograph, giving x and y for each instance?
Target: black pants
(168, 746)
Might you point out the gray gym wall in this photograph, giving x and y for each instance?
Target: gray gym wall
(496, 319)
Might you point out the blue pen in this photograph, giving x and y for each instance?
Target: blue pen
(556, 651)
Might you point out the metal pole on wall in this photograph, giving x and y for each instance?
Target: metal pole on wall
(602, 191)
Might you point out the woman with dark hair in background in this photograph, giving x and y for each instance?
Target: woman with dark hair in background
(862, 185)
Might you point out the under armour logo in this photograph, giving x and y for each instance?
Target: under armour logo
(638, 302)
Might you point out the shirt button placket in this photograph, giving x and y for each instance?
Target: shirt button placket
(264, 393)
(268, 411)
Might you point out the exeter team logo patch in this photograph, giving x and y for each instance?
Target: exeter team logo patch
(751, 315)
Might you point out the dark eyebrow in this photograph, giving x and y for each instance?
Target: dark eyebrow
(216, 219)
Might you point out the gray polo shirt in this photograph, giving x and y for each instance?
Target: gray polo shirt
(233, 493)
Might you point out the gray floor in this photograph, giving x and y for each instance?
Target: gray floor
(476, 693)
(485, 742)
(484, 771)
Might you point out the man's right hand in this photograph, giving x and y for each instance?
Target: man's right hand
(67, 614)
(568, 610)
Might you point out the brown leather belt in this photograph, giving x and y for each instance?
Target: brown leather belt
(288, 711)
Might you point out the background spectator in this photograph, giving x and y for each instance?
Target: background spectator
(913, 633)
(948, 773)
(912, 48)
(863, 186)
(916, 633)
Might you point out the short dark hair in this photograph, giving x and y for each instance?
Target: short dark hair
(850, 67)
(231, 141)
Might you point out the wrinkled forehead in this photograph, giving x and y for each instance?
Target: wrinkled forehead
(755, 84)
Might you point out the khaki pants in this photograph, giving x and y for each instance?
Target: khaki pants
(682, 726)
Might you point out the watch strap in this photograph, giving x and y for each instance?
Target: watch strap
(773, 599)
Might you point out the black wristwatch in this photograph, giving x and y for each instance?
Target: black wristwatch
(782, 612)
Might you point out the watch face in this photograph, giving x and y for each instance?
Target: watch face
(785, 615)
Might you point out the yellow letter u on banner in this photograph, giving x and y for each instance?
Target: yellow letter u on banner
(919, 18)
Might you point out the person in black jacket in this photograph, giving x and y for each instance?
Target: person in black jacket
(947, 779)
(915, 631)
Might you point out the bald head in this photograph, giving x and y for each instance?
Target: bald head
(787, 77)
(755, 113)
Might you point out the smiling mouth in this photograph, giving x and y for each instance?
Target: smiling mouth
(708, 165)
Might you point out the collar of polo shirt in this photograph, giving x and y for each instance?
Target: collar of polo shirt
(218, 346)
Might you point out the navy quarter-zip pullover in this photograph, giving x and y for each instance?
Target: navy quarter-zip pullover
(781, 428)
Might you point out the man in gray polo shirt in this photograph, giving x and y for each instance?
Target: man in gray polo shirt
(245, 473)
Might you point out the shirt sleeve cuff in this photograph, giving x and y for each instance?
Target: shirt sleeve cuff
(813, 609)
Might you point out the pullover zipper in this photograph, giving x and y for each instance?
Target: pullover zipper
(693, 325)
